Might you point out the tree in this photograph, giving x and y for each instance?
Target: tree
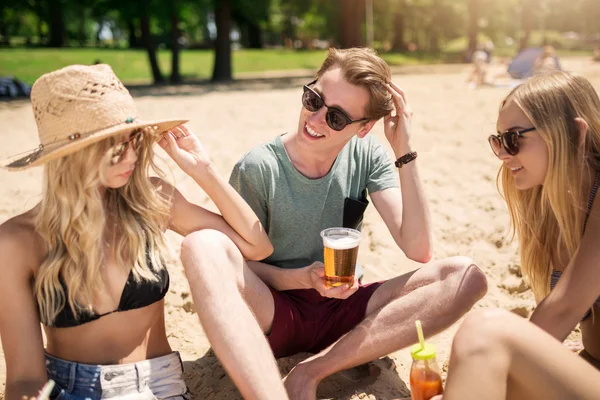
(133, 39)
(351, 23)
(473, 29)
(175, 35)
(398, 41)
(223, 17)
(81, 7)
(526, 23)
(57, 23)
(249, 30)
(149, 44)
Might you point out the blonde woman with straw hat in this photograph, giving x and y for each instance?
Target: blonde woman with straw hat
(88, 260)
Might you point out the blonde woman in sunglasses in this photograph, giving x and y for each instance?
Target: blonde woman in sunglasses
(88, 261)
(549, 146)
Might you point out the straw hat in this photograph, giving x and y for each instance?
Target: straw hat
(76, 106)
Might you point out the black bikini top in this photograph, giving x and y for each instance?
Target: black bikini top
(135, 295)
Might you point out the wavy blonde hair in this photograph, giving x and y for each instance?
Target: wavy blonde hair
(72, 220)
(551, 216)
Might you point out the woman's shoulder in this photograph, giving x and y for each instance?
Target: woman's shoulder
(20, 244)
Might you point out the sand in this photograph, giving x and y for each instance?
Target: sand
(450, 128)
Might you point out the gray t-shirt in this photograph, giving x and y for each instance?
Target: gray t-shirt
(294, 209)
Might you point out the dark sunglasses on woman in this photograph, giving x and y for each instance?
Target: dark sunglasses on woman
(509, 140)
(119, 150)
(336, 119)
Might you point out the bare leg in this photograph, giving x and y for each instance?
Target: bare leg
(513, 358)
(211, 261)
(438, 294)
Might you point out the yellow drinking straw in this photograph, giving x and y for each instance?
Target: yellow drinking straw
(46, 390)
(422, 350)
(420, 333)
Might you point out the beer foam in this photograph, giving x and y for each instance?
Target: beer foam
(341, 242)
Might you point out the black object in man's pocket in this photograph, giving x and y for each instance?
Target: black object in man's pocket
(354, 210)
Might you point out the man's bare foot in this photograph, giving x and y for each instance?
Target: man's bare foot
(299, 385)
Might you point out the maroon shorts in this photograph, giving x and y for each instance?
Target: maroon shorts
(305, 321)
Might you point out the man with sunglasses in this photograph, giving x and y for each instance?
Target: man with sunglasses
(317, 177)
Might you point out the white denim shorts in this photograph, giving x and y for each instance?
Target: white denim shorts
(158, 378)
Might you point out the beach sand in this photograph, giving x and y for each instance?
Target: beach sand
(458, 170)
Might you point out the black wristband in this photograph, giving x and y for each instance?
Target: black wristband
(405, 159)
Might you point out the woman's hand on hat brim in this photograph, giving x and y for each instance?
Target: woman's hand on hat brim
(184, 147)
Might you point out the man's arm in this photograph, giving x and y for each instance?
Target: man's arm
(404, 210)
(310, 277)
(282, 278)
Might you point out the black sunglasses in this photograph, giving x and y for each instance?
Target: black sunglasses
(509, 140)
(119, 150)
(336, 119)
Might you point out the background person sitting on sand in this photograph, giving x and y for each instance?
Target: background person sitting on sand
(87, 261)
(549, 145)
(298, 184)
(546, 61)
(480, 66)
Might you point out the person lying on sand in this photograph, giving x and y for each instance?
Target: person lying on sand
(549, 144)
(316, 177)
(88, 260)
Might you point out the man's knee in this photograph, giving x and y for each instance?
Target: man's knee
(208, 246)
(472, 280)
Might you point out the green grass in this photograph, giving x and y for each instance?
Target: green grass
(132, 66)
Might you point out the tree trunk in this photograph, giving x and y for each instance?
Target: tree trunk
(473, 28)
(255, 40)
(4, 27)
(40, 17)
(435, 30)
(434, 42)
(134, 41)
(149, 45)
(40, 30)
(222, 69)
(97, 34)
(57, 24)
(175, 76)
(351, 23)
(526, 23)
(399, 43)
(250, 32)
(81, 27)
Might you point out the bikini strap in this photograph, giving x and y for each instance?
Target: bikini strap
(591, 199)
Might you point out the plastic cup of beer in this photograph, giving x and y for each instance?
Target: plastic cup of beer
(340, 251)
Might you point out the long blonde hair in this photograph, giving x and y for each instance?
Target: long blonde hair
(72, 220)
(551, 216)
